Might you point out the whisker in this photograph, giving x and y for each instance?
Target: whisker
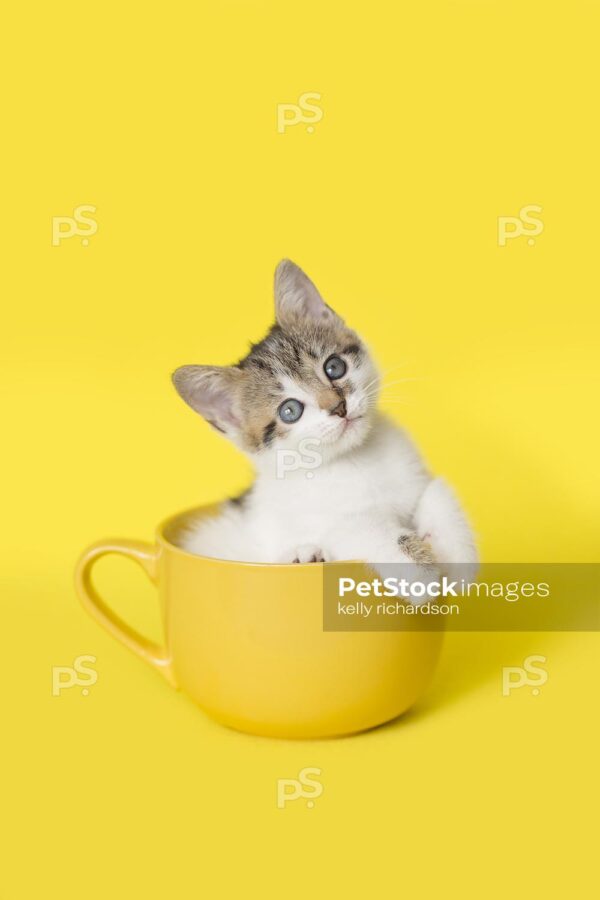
(375, 392)
(381, 375)
(399, 381)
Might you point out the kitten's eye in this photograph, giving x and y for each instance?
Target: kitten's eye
(290, 411)
(335, 367)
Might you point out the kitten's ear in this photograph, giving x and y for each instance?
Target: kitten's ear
(211, 391)
(297, 299)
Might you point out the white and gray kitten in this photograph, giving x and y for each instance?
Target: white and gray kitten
(335, 479)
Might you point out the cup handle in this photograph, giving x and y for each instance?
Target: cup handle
(146, 556)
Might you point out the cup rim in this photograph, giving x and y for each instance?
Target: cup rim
(168, 544)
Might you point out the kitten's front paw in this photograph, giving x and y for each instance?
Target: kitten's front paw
(308, 553)
(420, 565)
(414, 548)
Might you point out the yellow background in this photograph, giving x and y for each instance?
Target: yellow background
(439, 117)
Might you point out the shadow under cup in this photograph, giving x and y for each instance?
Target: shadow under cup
(246, 642)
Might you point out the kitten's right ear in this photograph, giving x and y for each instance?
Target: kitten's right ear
(297, 300)
(211, 391)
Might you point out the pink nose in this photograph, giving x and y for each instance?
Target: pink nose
(339, 410)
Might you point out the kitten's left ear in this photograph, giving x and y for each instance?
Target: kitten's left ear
(297, 299)
(212, 391)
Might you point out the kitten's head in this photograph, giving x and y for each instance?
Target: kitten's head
(310, 379)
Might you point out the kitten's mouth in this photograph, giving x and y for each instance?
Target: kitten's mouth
(350, 426)
(348, 423)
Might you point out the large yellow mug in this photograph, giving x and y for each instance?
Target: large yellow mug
(246, 642)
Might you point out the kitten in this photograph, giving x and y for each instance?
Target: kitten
(335, 479)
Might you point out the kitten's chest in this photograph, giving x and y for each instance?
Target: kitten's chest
(317, 501)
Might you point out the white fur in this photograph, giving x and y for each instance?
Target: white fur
(353, 506)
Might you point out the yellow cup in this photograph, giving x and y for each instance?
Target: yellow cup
(246, 642)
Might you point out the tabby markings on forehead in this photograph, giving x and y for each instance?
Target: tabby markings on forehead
(282, 352)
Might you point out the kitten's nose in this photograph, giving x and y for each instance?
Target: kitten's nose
(339, 410)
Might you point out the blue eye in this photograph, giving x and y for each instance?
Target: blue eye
(290, 411)
(335, 367)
